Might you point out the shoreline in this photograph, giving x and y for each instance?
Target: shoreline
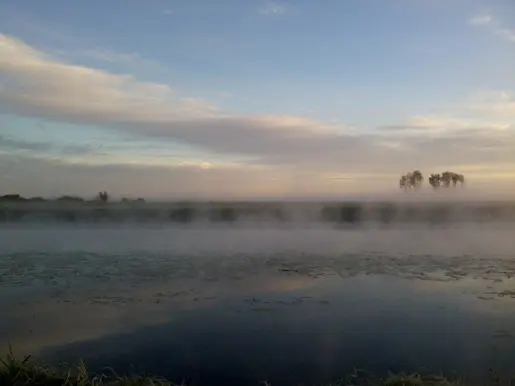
(28, 372)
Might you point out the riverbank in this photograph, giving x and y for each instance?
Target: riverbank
(27, 372)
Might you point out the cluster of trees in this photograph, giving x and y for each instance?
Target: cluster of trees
(411, 180)
(445, 180)
(414, 180)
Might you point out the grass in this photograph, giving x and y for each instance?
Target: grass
(26, 372)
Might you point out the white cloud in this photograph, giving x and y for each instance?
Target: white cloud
(490, 22)
(272, 8)
(110, 56)
(506, 33)
(496, 105)
(40, 85)
(481, 20)
(35, 84)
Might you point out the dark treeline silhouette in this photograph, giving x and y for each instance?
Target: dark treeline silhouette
(100, 197)
(70, 199)
(12, 197)
(413, 180)
(103, 196)
(446, 179)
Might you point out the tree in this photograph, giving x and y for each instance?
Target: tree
(411, 180)
(12, 197)
(435, 181)
(416, 178)
(449, 178)
(103, 196)
(446, 179)
(457, 178)
(403, 183)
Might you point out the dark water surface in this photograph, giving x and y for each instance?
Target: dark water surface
(219, 304)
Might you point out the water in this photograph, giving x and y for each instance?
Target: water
(212, 304)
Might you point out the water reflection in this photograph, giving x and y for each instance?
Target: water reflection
(300, 306)
(306, 335)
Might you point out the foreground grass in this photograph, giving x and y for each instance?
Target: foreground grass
(15, 372)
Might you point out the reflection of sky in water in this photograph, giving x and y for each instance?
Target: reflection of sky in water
(222, 305)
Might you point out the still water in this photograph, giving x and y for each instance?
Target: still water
(217, 304)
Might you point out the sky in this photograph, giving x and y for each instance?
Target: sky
(254, 99)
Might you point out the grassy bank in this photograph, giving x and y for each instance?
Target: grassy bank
(27, 372)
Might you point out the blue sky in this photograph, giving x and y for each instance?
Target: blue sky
(254, 98)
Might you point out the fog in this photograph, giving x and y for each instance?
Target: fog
(270, 214)
(114, 254)
(71, 288)
(469, 238)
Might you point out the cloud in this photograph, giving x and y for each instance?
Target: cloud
(506, 33)
(481, 20)
(11, 144)
(499, 105)
(490, 22)
(38, 84)
(110, 56)
(14, 144)
(168, 12)
(132, 62)
(272, 8)
(269, 148)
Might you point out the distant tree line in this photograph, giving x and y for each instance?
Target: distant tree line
(102, 197)
(414, 180)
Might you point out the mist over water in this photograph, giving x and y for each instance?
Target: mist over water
(246, 297)
(272, 214)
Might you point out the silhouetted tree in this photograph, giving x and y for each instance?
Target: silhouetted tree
(12, 197)
(449, 178)
(411, 180)
(446, 179)
(435, 181)
(416, 179)
(404, 183)
(103, 196)
(457, 178)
